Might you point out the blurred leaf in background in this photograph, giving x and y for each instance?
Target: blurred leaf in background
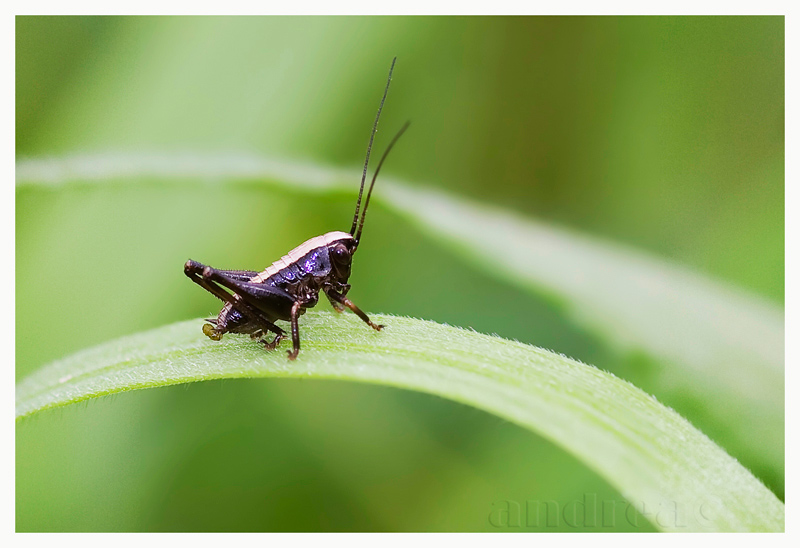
(663, 133)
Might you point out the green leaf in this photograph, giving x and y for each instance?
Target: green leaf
(714, 344)
(672, 473)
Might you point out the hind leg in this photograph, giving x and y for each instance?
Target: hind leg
(238, 311)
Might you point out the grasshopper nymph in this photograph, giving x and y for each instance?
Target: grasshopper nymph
(285, 289)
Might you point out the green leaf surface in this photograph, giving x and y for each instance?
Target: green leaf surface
(721, 345)
(706, 340)
(652, 455)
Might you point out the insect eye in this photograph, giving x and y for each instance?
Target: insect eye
(340, 254)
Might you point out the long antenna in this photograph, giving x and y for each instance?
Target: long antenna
(357, 236)
(369, 148)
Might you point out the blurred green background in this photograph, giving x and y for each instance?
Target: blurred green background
(662, 133)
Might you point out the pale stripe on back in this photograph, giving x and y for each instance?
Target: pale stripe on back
(298, 253)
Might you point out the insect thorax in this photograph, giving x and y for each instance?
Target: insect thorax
(309, 259)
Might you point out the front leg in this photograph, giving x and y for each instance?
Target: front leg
(343, 289)
(342, 300)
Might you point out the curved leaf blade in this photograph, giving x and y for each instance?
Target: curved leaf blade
(718, 343)
(721, 344)
(651, 454)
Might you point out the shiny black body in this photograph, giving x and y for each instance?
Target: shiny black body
(254, 301)
(281, 292)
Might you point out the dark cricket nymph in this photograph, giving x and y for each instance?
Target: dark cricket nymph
(254, 301)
